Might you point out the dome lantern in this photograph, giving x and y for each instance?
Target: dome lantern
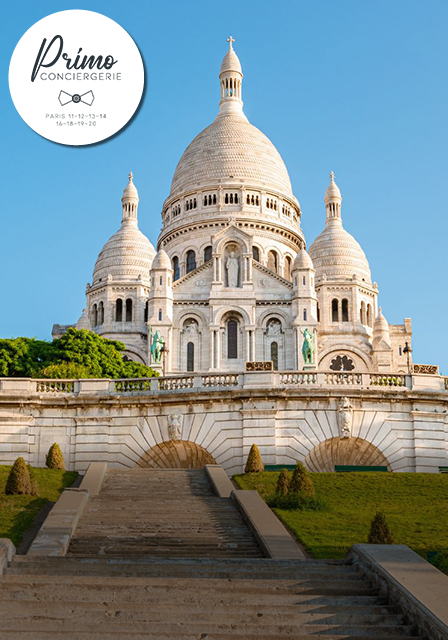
(130, 202)
(231, 82)
(333, 201)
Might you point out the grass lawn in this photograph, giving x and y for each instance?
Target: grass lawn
(18, 512)
(415, 504)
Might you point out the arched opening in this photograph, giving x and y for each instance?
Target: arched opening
(208, 254)
(176, 454)
(128, 310)
(176, 270)
(288, 264)
(190, 356)
(274, 355)
(119, 310)
(191, 260)
(272, 261)
(145, 313)
(334, 310)
(344, 310)
(344, 451)
(363, 312)
(232, 339)
(369, 316)
(101, 313)
(256, 253)
(95, 316)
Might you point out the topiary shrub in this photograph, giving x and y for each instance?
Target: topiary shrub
(55, 459)
(283, 482)
(34, 488)
(301, 483)
(379, 530)
(254, 462)
(18, 481)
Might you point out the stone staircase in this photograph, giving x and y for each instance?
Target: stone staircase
(161, 512)
(156, 555)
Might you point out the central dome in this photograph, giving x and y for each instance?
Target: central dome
(231, 150)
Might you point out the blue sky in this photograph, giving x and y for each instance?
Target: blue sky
(352, 86)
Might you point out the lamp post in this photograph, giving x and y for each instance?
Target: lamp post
(407, 350)
(165, 351)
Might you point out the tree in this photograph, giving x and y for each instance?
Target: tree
(18, 481)
(301, 482)
(254, 462)
(55, 459)
(283, 483)
(379, 530)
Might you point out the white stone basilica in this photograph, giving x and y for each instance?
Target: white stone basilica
(232, 281)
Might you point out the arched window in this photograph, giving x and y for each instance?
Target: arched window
(214, 198)
(236, 198)
(232, 339)
(101, 313)
(288, 264)
(256, 253)
(95, 315)
(318, 313)
(274, 355)
(119, 310)
(363, 312)
(334, 310)
(272, 261)
(145, 313)
(304, 315)
(205, 201)
(191, 260)
(190, 356)
(226, 199)
(345, 310)
(128, 310)
(160, 315)
(207, 254)
(176, 270)
(369, 315)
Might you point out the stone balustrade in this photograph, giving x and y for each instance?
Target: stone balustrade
(208, 381)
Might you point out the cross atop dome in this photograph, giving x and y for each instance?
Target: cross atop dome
(332, 176)
(131, 176)
(230, 40)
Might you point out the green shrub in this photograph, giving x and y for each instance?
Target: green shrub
(18, 481)
(301, 483)
(254, 462)
(55, 459)
(283, 482)
(293, 501)
(34, 488)
(379, 530)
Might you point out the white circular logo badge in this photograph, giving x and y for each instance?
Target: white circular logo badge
(76, 77)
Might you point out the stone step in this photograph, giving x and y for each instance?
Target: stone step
(182, 635)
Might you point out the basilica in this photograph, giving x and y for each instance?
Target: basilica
(233, 282)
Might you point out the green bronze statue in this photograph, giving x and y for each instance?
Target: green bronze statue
(156, 348)
(308, 347)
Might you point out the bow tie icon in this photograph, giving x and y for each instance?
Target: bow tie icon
(87, 98)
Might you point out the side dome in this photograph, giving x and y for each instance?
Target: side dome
(302, 261)
(127, 255)
(337, 255)
(231, 150)
(161, 261)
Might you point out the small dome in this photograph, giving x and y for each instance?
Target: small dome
(130, 191)
(161, 261)
(332, 189)
(380, 324)
(127, 255)
(303, 261)
(336, 254)
(84, 321)
(231, 62)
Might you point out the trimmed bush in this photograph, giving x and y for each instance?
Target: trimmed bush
(294, 502)
(379, 530)
(301, 483)
(34, 488)
(283, 482)
(254, 462)
(55, 459)
(18, 482)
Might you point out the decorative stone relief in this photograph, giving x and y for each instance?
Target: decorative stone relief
(345, 418)
(175, 426)
(232, 266)
(201, 283)
(274, 328)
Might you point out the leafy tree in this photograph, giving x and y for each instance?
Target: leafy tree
(18, 481)
(301, 482)
(254, 462)
(55, 459)
(283, 482)
(379, 530)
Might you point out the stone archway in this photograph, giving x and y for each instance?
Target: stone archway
(176, 454)
(344, 451)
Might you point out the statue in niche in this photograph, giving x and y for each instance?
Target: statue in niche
(232, 266)
(274, 328)
(308, 347)
(345, 418)
(157, 343)
(191, 328)
(175, 426)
